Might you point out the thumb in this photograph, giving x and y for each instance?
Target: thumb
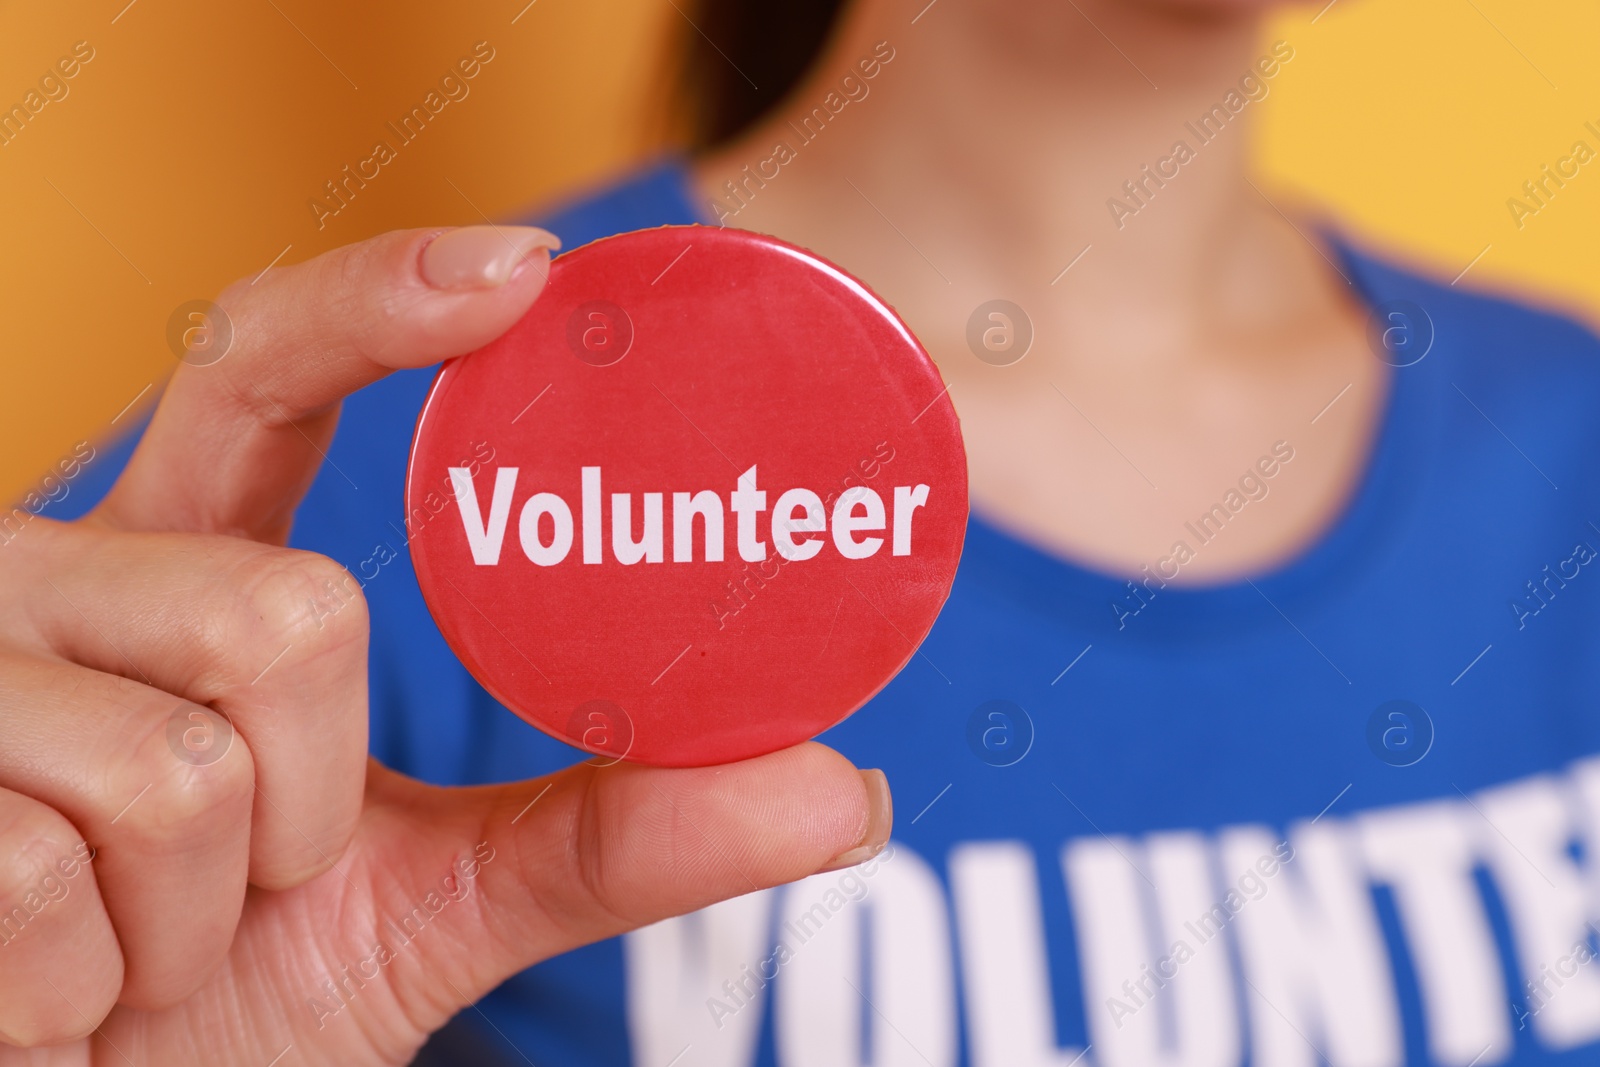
(538, 868)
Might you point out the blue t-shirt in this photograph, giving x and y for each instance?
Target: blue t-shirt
(1341, 812)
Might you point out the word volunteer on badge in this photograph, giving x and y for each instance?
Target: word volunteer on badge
(701, 503)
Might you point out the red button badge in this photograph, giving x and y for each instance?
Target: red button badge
(701, 503)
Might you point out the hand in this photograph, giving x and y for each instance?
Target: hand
(160, 907)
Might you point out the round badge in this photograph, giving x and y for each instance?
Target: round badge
(701, 503)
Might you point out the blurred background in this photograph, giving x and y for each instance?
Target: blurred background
(185, 152)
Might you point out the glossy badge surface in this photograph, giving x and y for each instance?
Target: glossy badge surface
(701, 503)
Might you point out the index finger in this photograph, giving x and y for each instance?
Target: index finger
(234, 444)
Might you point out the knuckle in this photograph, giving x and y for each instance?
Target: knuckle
(190, 801)
(353, 288)
(33, 844)
(363, 292)
(350, 268)
(235, 299)
(344, 299)
(594, 878)
(158, 796)
(287, 597)
(43, 1024)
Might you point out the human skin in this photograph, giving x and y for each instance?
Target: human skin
(223, 895)
(1173, 354)
(1195, 337)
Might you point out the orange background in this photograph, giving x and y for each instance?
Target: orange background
(187, 149)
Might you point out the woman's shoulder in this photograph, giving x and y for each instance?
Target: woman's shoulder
(1496, 394)
(1490, 328)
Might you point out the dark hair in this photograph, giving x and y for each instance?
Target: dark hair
(738, 58)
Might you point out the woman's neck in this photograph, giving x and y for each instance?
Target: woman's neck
(1087, 162)
(1023, 127)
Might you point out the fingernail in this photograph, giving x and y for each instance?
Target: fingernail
(483, 257)
(880, 820)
